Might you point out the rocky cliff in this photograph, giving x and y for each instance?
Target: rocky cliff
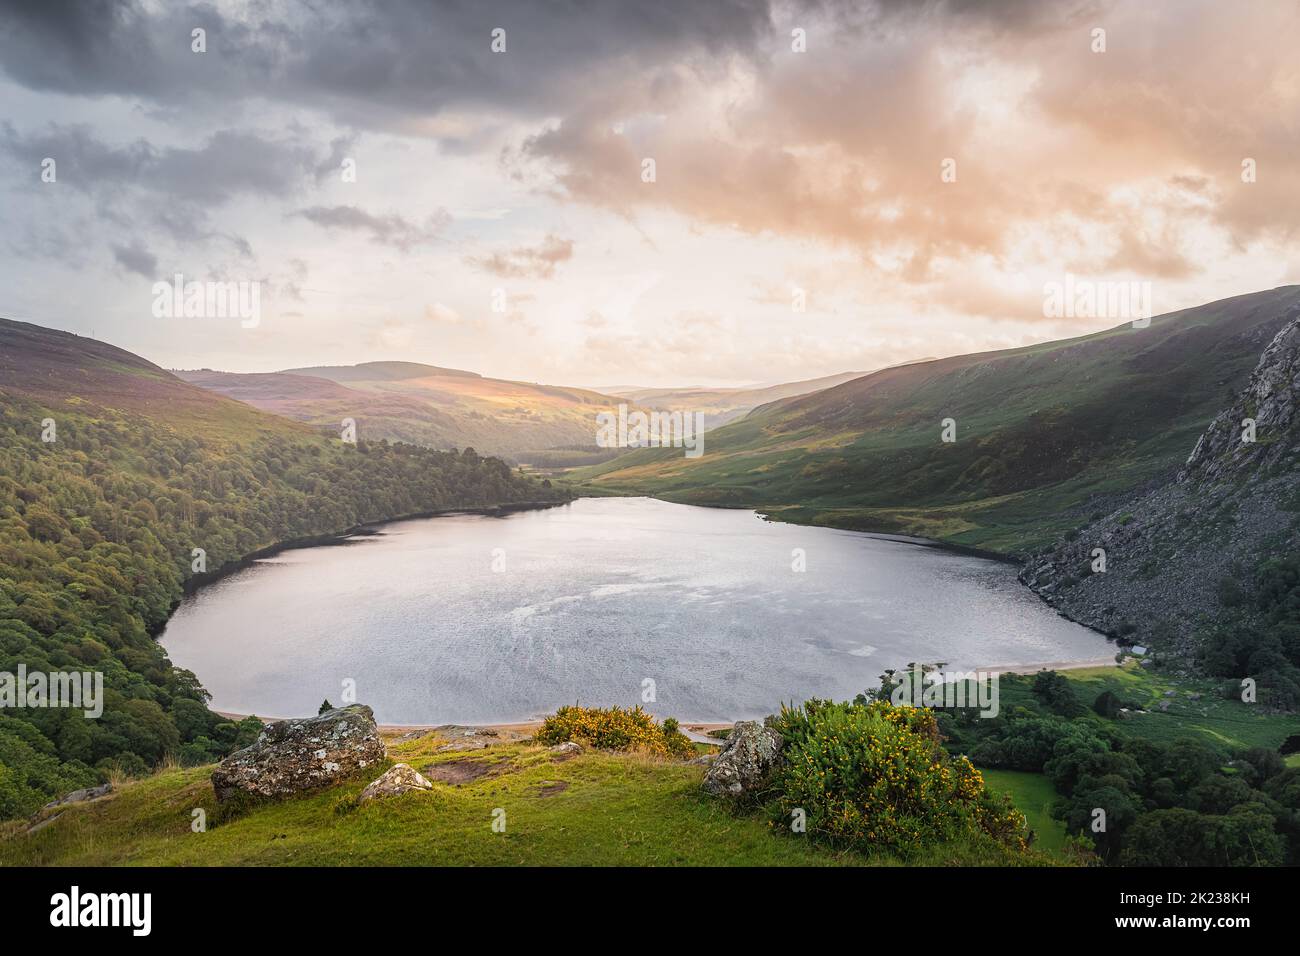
(1155, 568)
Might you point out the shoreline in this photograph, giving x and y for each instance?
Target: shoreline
(1028, 670)
(965, 550)
(766, 512)
(358, 532)
(518, 726)
(698, 726)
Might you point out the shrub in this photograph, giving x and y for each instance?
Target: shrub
(874, 777)
(1057, 694)
(615, 728)
(1107, 704)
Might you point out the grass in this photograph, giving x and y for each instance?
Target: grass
(597, 809)
(1213, 719)
(1033, 795)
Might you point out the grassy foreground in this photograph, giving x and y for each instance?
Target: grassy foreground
(593, 809)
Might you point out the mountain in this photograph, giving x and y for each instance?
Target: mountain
(539, 425)
(431, 406)
(120, 485)
(1046, 435)
(66, 371)
(722, 405)
(1197, 550)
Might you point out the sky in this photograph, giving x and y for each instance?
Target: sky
(836, 186)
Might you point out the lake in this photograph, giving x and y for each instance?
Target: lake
(475, 619)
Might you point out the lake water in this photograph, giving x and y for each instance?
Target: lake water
(467, 618)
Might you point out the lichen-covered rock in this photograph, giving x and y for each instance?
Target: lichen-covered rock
(396, 781)
(291, 756)
(1271, 400)
(80, 796)
(747, 759)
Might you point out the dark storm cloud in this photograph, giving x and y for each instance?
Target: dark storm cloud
(228, 163)
(370, 63)
(389, 229)
(136, 258)
(1009, 16)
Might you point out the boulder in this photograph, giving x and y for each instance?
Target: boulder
(569, 748)
(291, 756)
(747, 759)
(396, 781)
(80, 796)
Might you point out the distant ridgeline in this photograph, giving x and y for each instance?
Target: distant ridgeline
(1042, 437)
(112, 473)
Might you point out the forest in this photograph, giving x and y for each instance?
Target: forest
(98, 531)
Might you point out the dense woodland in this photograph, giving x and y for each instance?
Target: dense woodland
(1188, 801)
(96, 536)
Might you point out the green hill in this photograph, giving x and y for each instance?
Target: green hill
(1044, 434)
(112, 472)
(596, 809)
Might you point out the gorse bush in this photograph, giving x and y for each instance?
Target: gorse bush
(615, 728)
(874, 777)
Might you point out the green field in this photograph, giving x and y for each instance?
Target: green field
(1033, 795)
(1228, 723)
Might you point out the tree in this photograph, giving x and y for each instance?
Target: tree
(1107, 705)
(1056, 694)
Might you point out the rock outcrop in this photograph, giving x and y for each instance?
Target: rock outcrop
(399, 779)
(1168, 552)
(81, 796)
(291, 756)
(746, 761)
(1269, 401)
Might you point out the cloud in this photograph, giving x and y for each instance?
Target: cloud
(774, 168)
(388, 229)
(136, 258)
(227, 164)
(1097, 137)
(371, 65)
(439, 312)
(527, 262)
